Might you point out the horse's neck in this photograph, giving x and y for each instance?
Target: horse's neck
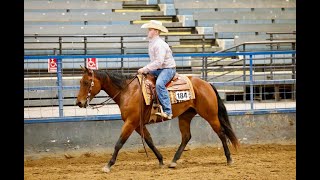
(112, 90)
(128, 93)
(116, 92)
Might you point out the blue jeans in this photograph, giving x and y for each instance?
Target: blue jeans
(163, 77)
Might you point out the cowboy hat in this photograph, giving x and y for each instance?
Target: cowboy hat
(155, 25)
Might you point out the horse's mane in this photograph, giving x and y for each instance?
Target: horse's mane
(117, 78)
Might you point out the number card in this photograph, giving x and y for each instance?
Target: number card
(182, 95)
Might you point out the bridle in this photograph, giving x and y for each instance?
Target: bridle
(107, 100)
(90, 89)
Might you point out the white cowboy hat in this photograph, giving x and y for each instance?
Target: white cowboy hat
(155, 25)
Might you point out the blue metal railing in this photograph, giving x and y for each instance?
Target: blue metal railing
(251, 83)
(175, 55)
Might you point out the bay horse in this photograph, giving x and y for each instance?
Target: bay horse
(126, 92)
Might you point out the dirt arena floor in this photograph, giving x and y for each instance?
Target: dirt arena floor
(270, 161)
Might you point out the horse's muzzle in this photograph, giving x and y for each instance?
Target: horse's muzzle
(80, 104)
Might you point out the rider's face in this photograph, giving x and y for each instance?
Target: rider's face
(152, 33)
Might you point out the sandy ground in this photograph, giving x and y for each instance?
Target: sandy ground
(268, 161)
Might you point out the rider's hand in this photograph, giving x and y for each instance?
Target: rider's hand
(140, 71)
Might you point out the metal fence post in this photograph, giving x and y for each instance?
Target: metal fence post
(122, 52)
(244, 97)
(59, 83)
(85, 50)
(251, 83)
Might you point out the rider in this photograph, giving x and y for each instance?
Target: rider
(161, 64)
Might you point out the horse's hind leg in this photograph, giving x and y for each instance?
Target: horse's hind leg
(149, 141)
(184, 126)
(216, 126)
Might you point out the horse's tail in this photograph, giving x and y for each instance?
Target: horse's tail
(224, 120)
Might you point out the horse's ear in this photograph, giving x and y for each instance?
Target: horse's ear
(84, 69)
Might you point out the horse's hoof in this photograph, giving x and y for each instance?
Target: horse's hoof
(229, 163)
(106, 169)
(172, 165)
(161, 165)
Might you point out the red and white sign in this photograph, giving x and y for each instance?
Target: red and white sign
(92, 63)
(52, 65)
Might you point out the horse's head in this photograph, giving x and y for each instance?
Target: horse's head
(89, 87)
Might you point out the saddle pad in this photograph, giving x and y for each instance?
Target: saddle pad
(181, 92)
(180, 89)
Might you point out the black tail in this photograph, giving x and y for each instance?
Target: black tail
(224, 120)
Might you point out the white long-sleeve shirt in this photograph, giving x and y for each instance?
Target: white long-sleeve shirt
(160, 55)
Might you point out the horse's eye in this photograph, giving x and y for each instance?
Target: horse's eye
(86, 83)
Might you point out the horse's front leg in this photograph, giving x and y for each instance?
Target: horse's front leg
(126, 131)
(149, 141)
